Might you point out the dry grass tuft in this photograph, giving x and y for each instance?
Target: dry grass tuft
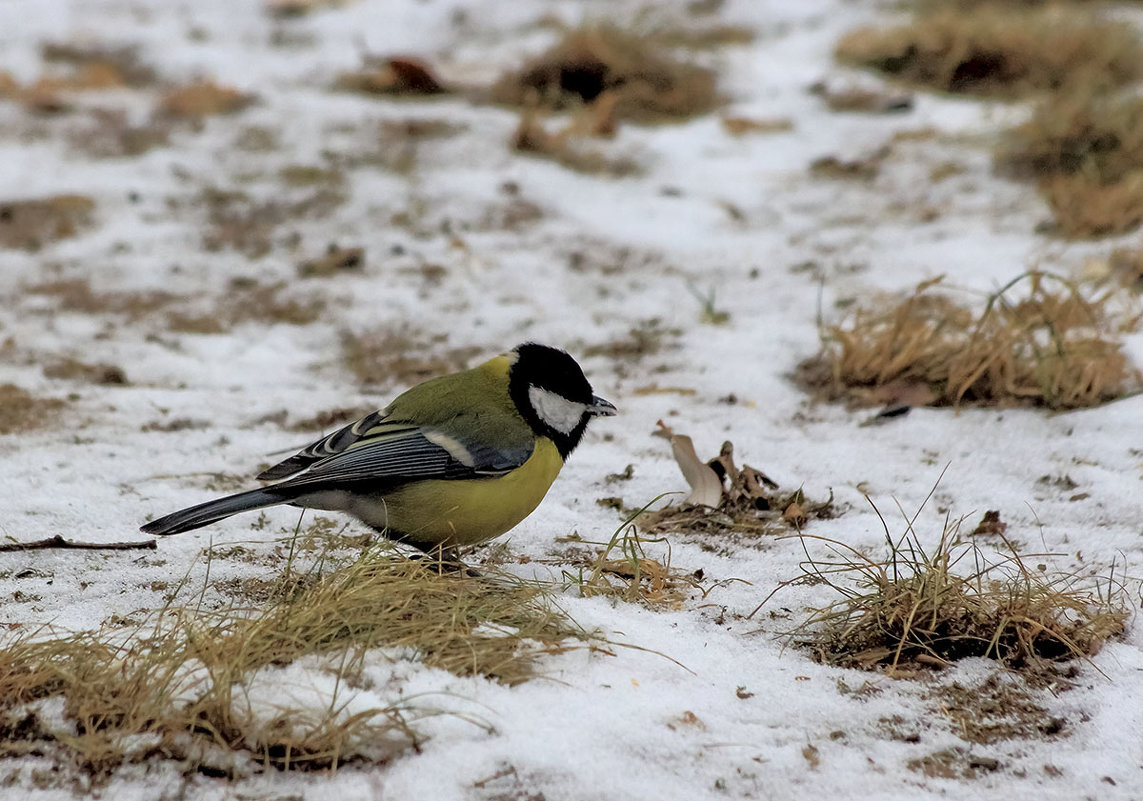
(77, 295)
(741, 126)
(860, 99)
(20, 410)
(237, 221)
(70, 369)
(621, 568)
(244, 301)
(203, 99)
(75, 68)
(250, 301)
(387, 357)
(566, 147)
(604, 64)
(329, 419)
(32, 224)
(122, 62)
(1001, 52)
(401, 75)
(110, 133)
(185, 684)
(921, 609)
(1046, 348)
(1086, 153)
(1124, 266)
(336, 259)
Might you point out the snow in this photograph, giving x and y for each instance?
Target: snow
(666, 719)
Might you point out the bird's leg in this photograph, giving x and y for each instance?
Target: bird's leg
(445, 559)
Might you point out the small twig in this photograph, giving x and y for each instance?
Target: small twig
(59, 542)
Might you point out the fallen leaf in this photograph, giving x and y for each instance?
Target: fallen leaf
(706, 486)
(990, 524)
(794, 515)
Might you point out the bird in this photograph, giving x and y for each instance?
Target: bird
(451, 462)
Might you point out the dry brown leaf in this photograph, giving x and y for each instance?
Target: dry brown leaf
(990, 524)
(706, 487)
(795, 515)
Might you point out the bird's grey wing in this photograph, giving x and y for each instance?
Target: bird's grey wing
(391, 455)
(325, 447)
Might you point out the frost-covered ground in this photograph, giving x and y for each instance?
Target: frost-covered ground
(469, 245)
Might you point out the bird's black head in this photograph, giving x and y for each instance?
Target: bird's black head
(553, 395)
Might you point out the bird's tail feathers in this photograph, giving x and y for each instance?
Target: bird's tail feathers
(212, 511)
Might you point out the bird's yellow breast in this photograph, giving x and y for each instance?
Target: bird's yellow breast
(467, 511)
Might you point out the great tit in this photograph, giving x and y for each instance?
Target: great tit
(453, 461)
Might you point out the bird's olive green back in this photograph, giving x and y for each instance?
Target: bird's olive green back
(473, 406)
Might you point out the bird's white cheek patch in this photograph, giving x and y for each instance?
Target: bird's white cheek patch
(557, 411)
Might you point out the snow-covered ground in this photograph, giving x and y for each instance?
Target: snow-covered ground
(471, 245)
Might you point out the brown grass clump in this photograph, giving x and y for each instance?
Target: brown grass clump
(1086, 154)
(1054, 349)
(249, 301)
(336, 259)
(122, 62)
(924, 609)
(181, 685)
(245, 300)
(1001, 52)
(70, 369)
(388, 357)
(111, 134)
(565, 147)
(741, 126)
(401, 75)
(75, 68)
(20, 410)
(329, 419)
(32, 224)
(203, 99)
(621, 568)
(606, 64)
(237, 221)
(77, 295)
(1124, 266)
(860, 99)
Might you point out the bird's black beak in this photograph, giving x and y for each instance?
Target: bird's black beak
(600, 407)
